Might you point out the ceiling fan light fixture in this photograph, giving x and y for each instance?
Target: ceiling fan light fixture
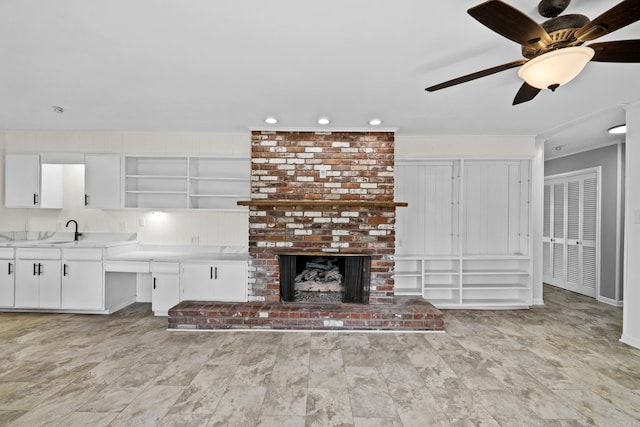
(620, 129)
(555, 68)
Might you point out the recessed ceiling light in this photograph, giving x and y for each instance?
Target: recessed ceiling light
(271, 120)
(57, 109)
(618, 129)
(323, 121)
(375, 122)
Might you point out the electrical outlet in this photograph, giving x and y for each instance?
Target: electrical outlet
(636, 215)
(140, 222)
(195, 240)
(123, 226)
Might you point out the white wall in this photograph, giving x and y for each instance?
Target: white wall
(631, 313)
(169, 227)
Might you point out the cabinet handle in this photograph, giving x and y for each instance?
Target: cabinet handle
(35, 199)
(35, 269)
(216, 273)
(39, 269)
(64, 269)
(154, 283)
(86, 200)
(10, 269)
(211, 273)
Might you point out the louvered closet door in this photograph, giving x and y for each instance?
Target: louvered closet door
(553, 243)
(582, 196)
(570, 230)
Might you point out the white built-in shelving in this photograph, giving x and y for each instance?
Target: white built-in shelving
(185, 182)
(463, 241)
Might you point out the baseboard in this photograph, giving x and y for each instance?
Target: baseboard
(633, 342)
(610, 301)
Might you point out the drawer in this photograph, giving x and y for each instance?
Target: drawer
(37, 253)
(165, 267)
(7, 253)
(126, 266)
(82, 254)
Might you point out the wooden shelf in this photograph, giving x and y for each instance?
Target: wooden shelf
(320, 203)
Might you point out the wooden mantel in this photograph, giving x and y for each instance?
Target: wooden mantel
(321, 203)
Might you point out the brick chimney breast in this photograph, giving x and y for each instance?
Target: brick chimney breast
(332, 192)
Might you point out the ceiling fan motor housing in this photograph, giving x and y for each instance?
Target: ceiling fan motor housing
(552, 8)
(561, 29)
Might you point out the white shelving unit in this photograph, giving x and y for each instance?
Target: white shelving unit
(217, 183)
(477, 254)
(185, 182)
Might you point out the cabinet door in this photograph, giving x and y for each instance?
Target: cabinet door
(27, 284)
(22, 180)
(82, 285)
(102, 181)
(165, 292)
(7, 282)
(49, 286)
(230, 281)
(196, 282)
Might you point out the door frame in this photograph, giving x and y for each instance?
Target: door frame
(598, 171)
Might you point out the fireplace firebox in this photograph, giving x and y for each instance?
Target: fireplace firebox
(324, 277)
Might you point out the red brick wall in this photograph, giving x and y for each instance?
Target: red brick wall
(312, 166)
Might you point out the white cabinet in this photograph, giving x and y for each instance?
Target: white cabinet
(7, 277)
(82, 285)
(28, 184)
(102, 181)
(215, 281)
(464, 239)
(38, 282)
(165, 286)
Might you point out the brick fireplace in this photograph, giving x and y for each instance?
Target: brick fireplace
(318, 193)
(329, 192)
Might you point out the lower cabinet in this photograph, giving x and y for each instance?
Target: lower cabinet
(38, 284)
(215, 281)
(7, 282)
(82, 283)
(165, 291)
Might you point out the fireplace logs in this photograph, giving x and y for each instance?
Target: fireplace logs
(320, 281)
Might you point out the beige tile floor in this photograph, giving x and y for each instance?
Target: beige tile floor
(558, 365)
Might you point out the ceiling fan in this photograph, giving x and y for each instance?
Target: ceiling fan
(553, 50)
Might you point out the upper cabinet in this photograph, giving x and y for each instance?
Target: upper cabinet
(102, 181)
(30, 184)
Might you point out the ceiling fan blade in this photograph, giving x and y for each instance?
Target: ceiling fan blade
(620, 15)
(526, 93)
(476, 75)
(509, 22)
(617, 51)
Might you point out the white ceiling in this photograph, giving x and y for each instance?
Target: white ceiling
(224, 65)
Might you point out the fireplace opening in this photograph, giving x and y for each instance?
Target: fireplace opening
(324, 278)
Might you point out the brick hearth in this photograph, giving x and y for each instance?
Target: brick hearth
(406, 314)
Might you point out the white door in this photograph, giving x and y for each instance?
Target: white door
(230, 281)
(102, 181)
(554, 232)
(49, 276)
(570, 233)
(196, 282)
(165, 292)
(7, 282)
(82, 285)
(22, 180)
(27, 284)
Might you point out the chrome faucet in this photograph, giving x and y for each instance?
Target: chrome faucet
(75, 233)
